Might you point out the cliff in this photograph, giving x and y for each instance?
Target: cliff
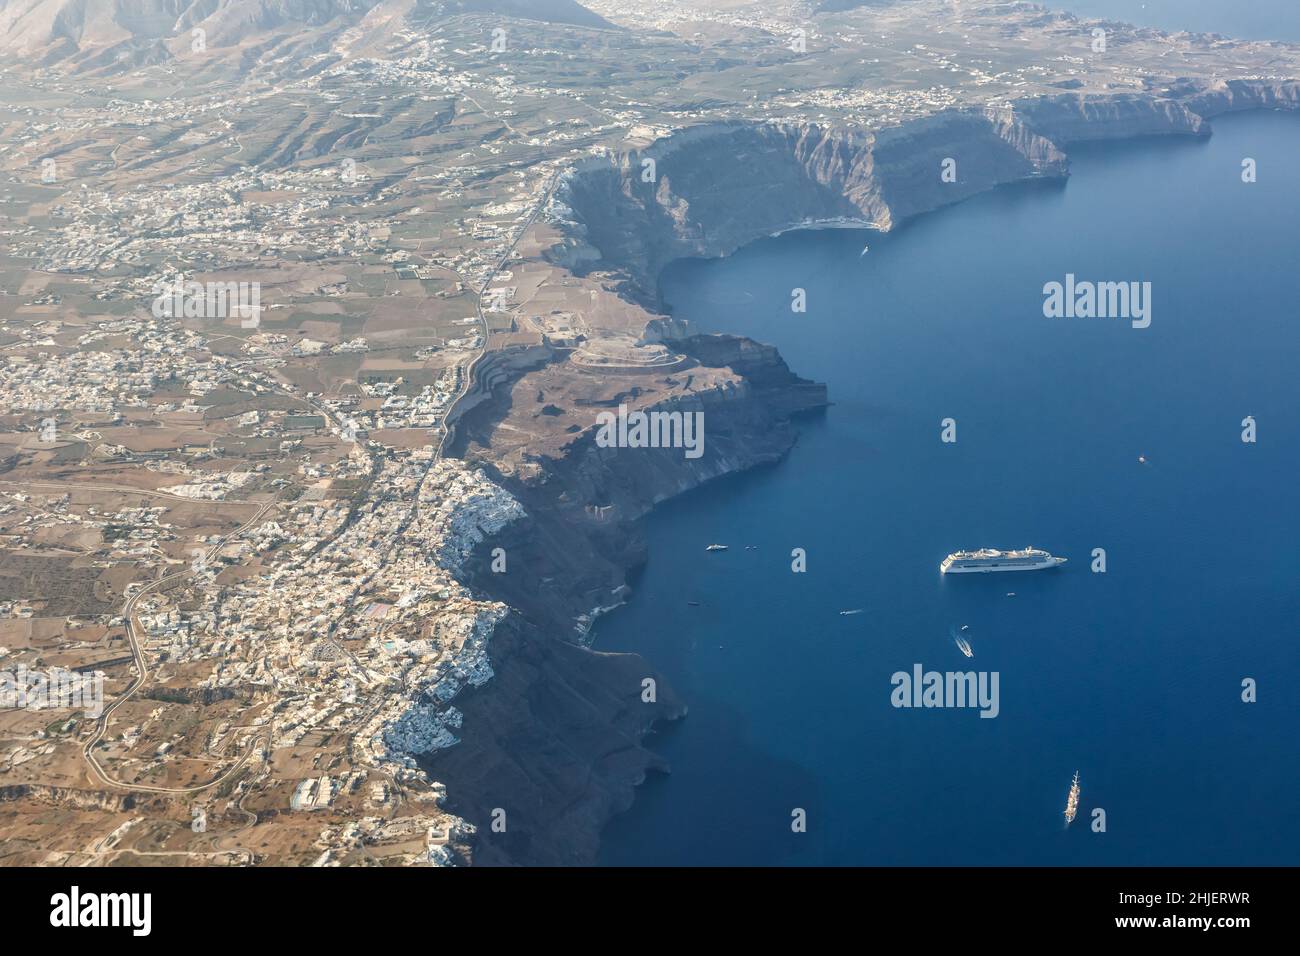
(1232, 96)
(571, 554)
(557, 735)
(716, 187)
(1072, 118)
(494, 367)
(69, 797)
(554, 741)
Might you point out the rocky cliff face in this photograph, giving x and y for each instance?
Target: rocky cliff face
(1232, 96)
(988, 148)
(69, 797)
(571, 554)
(551, 747)
(709, 189)
(1072, 118)
(495, 367)
(555, 739)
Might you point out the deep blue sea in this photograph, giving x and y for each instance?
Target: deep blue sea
(1132, 677)
(1251, 19)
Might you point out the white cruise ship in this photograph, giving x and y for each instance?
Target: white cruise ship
(986, 559)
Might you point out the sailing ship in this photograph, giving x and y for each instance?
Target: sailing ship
(1072, 802)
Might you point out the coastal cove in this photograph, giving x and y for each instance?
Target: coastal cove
(1130, 676)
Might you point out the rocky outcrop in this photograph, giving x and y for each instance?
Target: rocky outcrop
(69, 797)
(781, 392)
(551, 748)
(744, 425)
(571, 554)
(495, 366)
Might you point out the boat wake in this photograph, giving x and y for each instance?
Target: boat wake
(959, 638)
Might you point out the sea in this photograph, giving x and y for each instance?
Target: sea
(1250, 20)
(1161, 663)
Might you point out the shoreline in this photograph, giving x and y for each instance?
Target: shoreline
(724, 245)
(1129, 143)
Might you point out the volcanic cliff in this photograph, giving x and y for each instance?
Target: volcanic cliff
(559, 729)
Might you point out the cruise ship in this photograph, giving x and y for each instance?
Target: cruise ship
(986, 559)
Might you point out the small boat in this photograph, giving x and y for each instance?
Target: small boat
(1142, 459)
(1072, 801)
(964, 645)
(1011, 594)
(965, 627)
(865, 250)
(716, 547)
(856, 610)
(693, 603)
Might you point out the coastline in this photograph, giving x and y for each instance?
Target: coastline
(1229, 98)
(1023, 479)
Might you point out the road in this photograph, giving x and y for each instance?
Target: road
(505, 257)
(142, 672)
(69, 487)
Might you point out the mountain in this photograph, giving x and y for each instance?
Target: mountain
(133, 33)
(837, 6)
(550, 11)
